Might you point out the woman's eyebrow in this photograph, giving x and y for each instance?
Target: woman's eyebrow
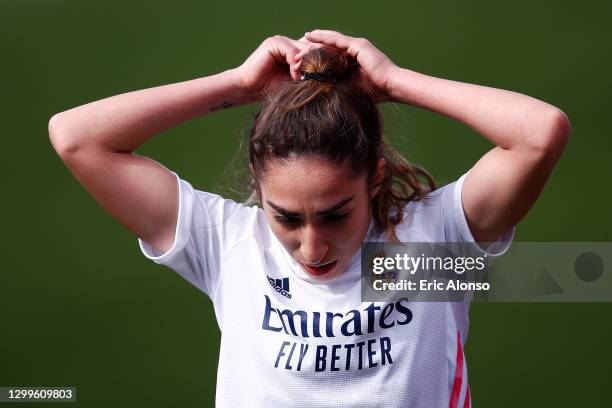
(326, 211)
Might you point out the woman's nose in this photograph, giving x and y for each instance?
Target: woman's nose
(312, 245)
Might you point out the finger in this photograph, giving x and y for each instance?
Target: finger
(309, 45)
(336, 39)
(301, 44)
(304, 46)
(305, 40)
(329, 37)
(296, 69)
(300, 54)
(286, 49)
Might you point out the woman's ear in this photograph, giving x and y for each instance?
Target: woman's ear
(379, 176)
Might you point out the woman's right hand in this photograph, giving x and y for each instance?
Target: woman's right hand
(272, 63)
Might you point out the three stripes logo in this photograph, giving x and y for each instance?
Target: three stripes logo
(281, 286)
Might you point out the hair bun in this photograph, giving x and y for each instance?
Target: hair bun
(326, 64)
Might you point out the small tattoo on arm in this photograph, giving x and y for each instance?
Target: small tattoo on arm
(224, 105)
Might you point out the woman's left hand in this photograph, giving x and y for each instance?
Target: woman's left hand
(375, 68)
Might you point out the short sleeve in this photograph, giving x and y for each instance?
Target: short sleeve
(455, 222)
(208, 225)
(457, 230)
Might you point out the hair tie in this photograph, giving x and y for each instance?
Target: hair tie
(318, 76)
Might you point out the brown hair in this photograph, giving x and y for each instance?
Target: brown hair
(334, 118)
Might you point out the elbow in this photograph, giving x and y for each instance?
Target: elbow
(560, 128)
(555, 134)
(53, 128)
(61, 141)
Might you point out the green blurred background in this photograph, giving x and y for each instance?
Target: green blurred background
(82, 307)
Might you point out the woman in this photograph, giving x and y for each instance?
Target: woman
(285, 278)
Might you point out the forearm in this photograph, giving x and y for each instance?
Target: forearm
(508, 119)
(124, 122)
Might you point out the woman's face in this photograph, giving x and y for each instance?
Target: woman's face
(317, 210)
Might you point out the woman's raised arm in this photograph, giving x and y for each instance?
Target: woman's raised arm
(529, 134)
(96, 141)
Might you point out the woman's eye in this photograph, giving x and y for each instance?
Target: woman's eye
(336, 217)
(292, 222)
(287, 221)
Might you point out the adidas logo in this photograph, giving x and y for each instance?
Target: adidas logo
(281, 286)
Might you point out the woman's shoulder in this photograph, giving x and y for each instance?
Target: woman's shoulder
(423, 219)
(221, 208)
(212, 211)
(430, 202)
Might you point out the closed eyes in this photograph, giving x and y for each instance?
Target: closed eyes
(293, 221)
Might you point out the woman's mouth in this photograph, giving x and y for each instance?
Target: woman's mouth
(320, 270)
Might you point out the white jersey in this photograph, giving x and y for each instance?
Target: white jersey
(290, 341)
